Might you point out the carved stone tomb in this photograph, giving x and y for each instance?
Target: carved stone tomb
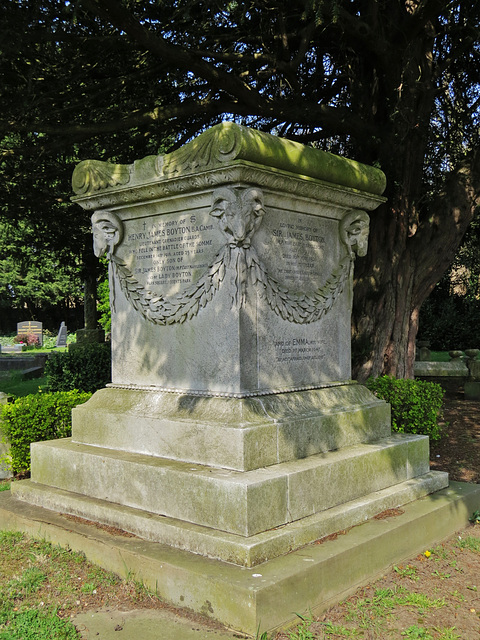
(231, 428)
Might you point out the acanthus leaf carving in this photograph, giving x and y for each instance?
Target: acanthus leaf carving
(95, 175)
(219, 144)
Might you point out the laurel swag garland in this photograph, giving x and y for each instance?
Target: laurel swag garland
(300, 308)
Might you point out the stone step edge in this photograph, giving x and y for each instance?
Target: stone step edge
(252, 601)
(240, 503)
(228, 547)
(233, 476)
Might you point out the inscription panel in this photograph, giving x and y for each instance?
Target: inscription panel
(294, 247)
(31, 327)
(169, 252)
(299, 349)
(304, 252)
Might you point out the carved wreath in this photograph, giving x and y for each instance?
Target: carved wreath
(239, 215)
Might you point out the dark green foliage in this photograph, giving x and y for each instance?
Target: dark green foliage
(121, 80)
(86, 367)
(450, 317)
(416, 404)
(103, 306)
(450, 322)
(33, 418)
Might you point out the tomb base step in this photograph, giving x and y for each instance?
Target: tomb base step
(233, 433)
(268, 596)
(228, 547)
(242, 503)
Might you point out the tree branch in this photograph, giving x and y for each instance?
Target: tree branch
(176, 56)
(67, 135)
(437, 239)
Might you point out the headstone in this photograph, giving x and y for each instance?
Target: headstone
(423, 351)
(231, 428)
(31, 327)
(472, 385)
(62, 336)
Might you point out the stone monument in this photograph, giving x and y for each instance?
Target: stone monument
(232, 428)
(62, 336)
(31, 327)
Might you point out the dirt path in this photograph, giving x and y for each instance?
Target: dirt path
(458, 452)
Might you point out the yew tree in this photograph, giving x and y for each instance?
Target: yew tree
(394, 83)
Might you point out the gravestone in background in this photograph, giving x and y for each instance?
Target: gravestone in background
(62, 336)
(231, 428)
(33, 327)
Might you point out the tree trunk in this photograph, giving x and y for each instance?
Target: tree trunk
(90, 266)
(90, 303)
(403, 265)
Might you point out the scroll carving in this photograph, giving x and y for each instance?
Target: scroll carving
(219, 144)
(239, 214)
(94, 175)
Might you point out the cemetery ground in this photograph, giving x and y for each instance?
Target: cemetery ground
(435, 595)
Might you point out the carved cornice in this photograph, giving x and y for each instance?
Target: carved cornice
(220, 146)
(271, 179)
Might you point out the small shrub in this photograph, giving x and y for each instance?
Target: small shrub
(416, 404)
(29, 339)
(87, 367)
(37, 417)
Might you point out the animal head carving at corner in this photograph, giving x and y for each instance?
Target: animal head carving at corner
(239, 214)
(107, 231)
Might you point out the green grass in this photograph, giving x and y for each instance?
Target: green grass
(439, 356)
(35, 625)
(24, 611)
(43, 585)
(15, 386)
(32, 352)
(407, 572)
(471, 543)
(49, 342)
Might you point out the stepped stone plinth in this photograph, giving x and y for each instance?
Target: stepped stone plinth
(232, 430)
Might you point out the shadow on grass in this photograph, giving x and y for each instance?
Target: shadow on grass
(13, 384)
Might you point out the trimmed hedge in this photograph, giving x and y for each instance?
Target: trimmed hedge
(416, 404)
(86, 367)
(37, 417)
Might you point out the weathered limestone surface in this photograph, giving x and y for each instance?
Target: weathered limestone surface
(454, 368)
(228, 547)
(234, 433)
(244, 503)
(229, 276)
(254, 600)
(231, 428)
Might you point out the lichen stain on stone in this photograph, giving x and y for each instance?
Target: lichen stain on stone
(207, 608)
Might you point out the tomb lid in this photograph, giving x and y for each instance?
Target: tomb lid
(225, 144)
